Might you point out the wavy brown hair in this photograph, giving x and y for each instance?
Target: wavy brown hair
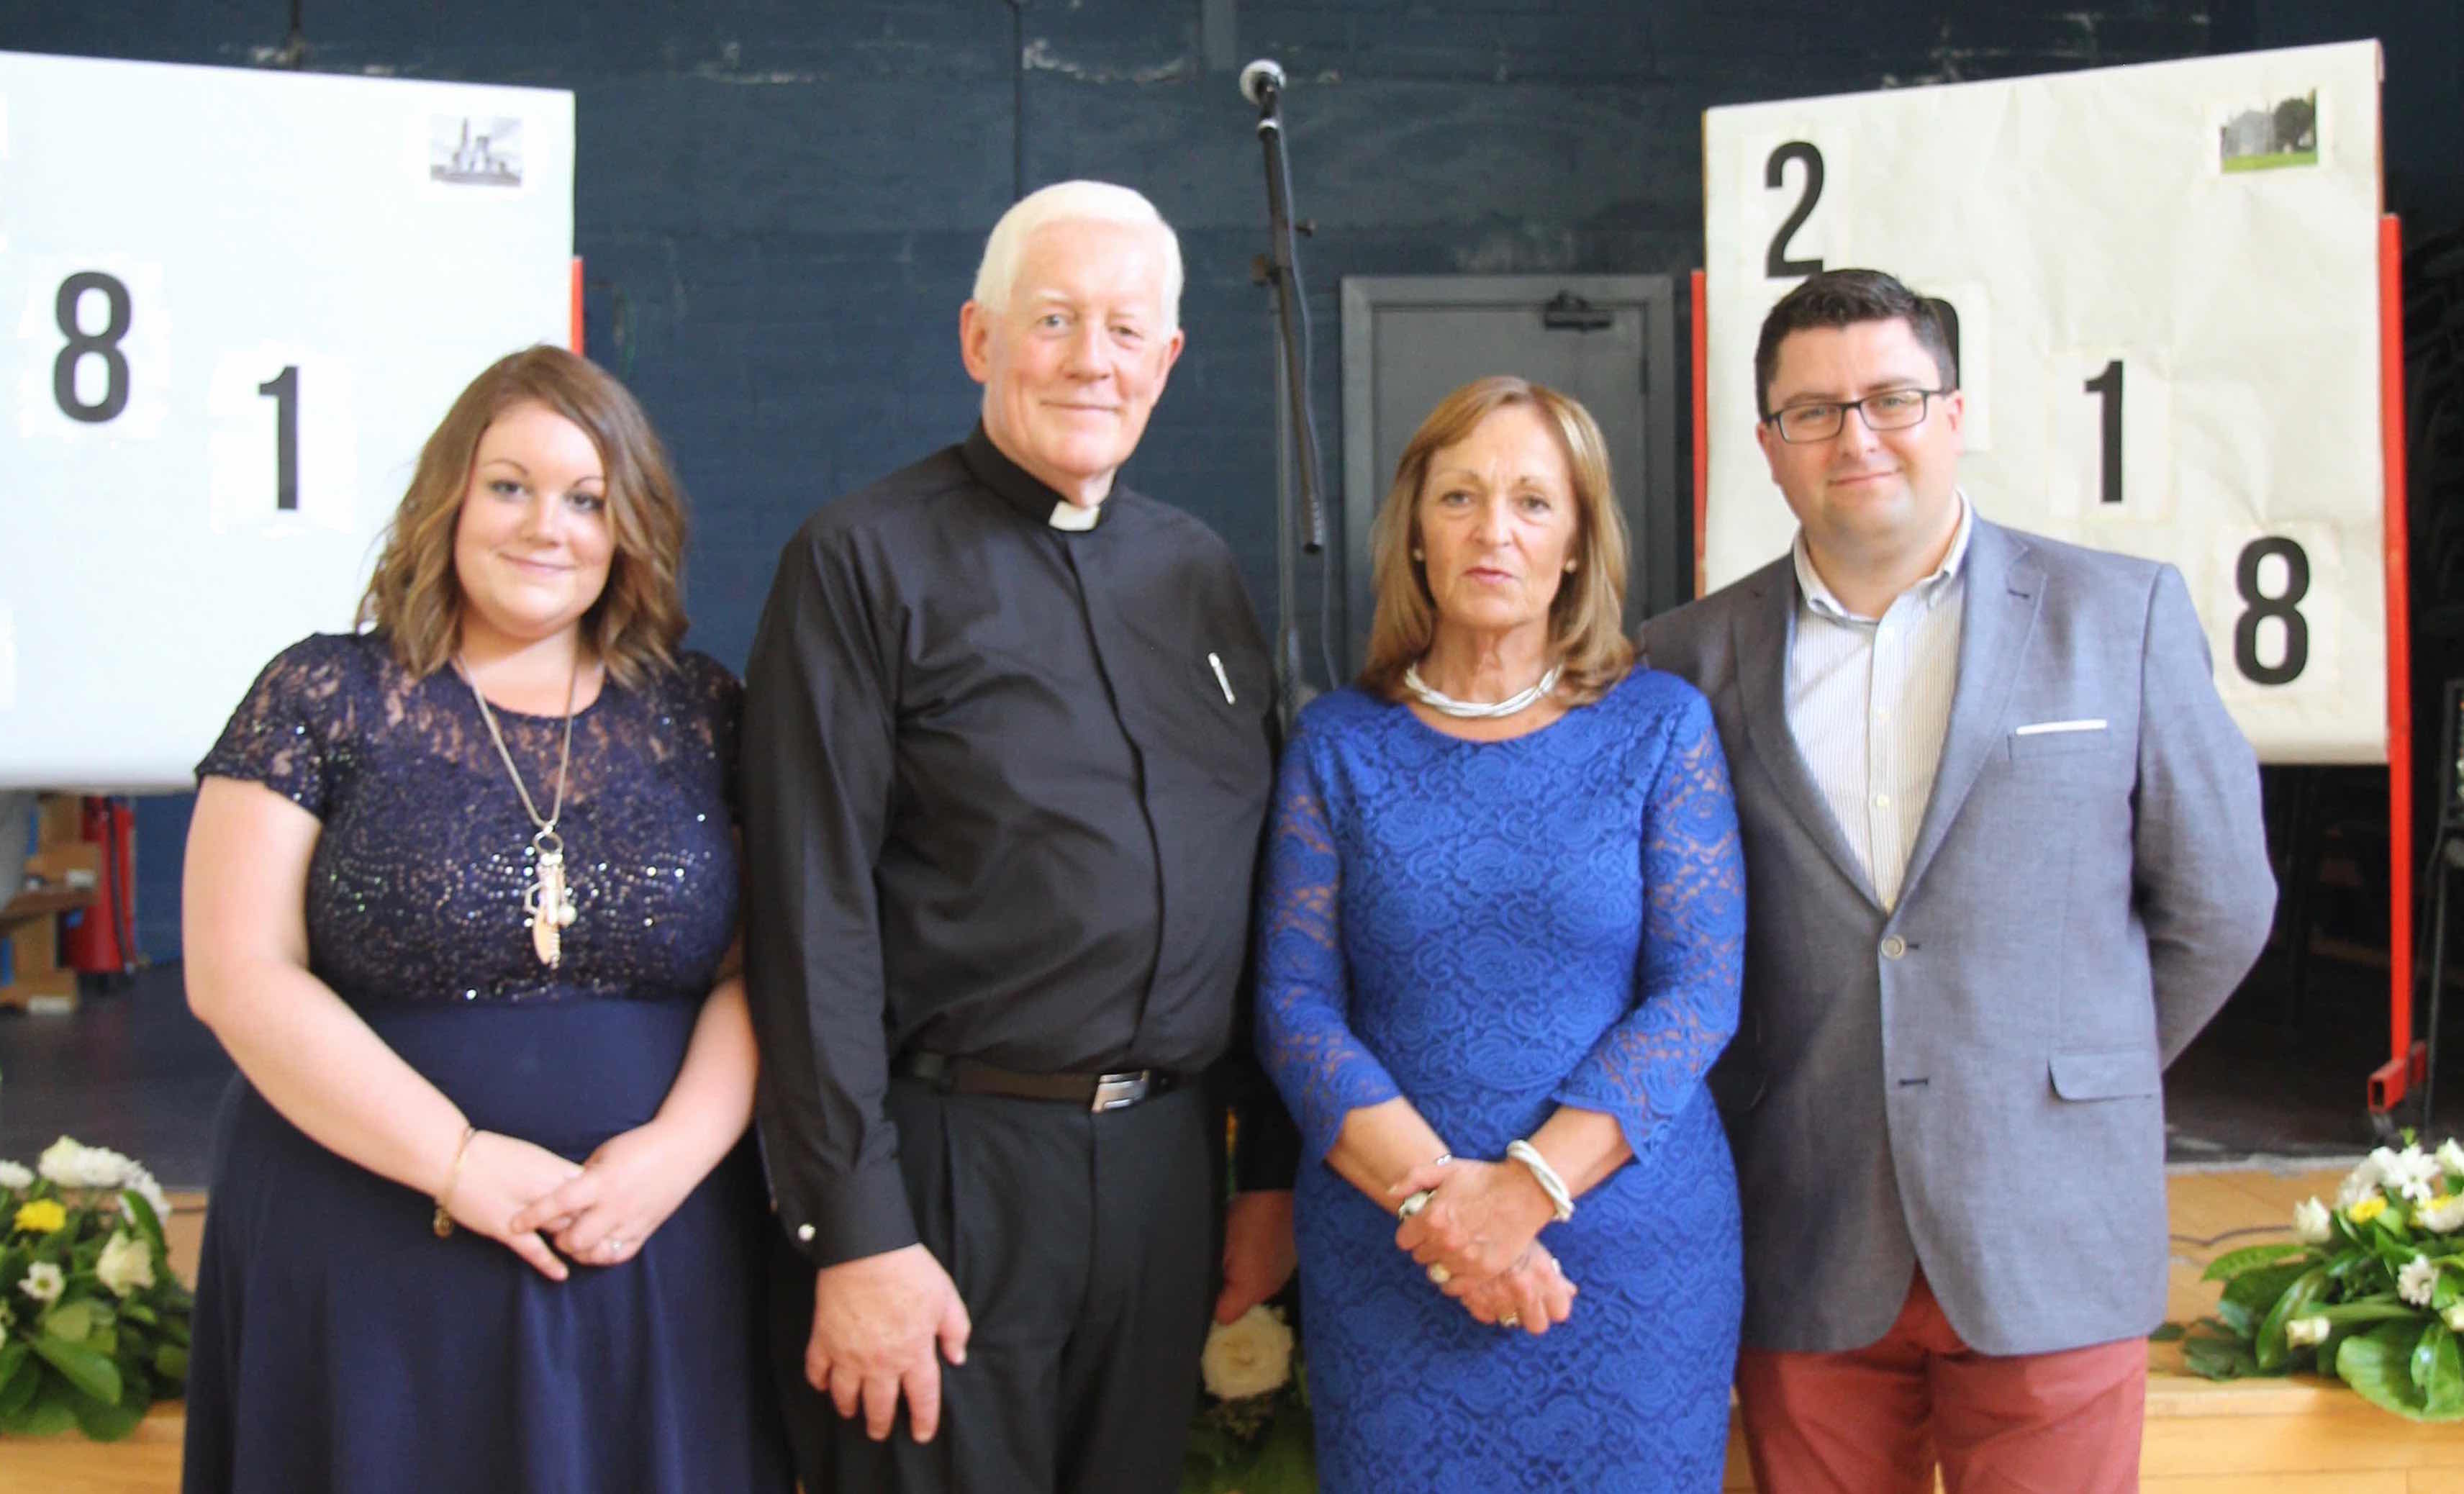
(415, 598)
(1586, 619)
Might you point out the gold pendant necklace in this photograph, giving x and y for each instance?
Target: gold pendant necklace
(546, 899)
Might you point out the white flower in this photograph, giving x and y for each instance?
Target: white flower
(1249, 1355)
(2442, 1215)
(44, 1281)
(2413, 1173)
(2364, 1180)
(2418, 1281)
(2305, 1333)
(2455, 1317)
(63, 1162)
(2310, 1222)
(126, 1264)
(14, 1175)
(142, 1182)
(2451, 1156)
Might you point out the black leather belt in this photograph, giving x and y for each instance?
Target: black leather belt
(1091, 1091)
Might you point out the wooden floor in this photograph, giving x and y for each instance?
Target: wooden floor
(2267, 1436)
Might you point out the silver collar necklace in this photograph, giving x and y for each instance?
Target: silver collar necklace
(1475, 710)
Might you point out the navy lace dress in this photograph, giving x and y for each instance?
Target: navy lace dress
(1495, 930)
(340, 1346)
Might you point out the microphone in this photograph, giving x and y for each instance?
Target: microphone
(1262, 83)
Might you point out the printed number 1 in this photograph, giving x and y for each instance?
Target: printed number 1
(283, 389)
(2106, 387)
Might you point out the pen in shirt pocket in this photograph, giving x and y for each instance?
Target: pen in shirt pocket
(1215, 662)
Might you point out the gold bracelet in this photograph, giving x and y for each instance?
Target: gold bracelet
(444, 1221)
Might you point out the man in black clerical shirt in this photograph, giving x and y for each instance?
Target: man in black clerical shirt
(1008, 757)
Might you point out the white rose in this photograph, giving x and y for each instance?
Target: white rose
(2451, 1156)
(14, 1175)
(63, 1162)
(2417, 1281)
(1247, 1356)
(126, 1264)
(44, 1281)
(2444, 1216)
(2310, 1222)
(2362, 1180)
(104, 1168)
(2305, 1333)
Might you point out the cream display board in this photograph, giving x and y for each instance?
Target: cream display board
(2163, 286)
(232, 304)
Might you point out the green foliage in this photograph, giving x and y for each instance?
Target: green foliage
(90, 1360)
(2341, 1306)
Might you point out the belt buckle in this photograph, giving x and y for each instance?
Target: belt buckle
(1117, 1091)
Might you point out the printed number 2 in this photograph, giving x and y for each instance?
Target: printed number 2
(1775, 262)
(82, 345)
(2283, 607)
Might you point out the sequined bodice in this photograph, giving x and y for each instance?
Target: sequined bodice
(415, 891)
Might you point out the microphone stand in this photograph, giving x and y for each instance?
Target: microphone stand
(1262, 83)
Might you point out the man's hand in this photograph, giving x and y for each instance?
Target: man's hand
(1257, 1251)
(876, 1320)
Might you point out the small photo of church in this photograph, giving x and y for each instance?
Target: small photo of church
(465, 151)
(2284, 134)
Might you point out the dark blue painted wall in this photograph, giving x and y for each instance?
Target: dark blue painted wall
(780, 203)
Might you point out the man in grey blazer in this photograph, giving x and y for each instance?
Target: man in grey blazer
(2003, 859)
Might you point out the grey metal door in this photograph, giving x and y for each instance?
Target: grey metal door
(1608, 340)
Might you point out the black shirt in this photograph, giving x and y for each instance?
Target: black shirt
(1006, 784)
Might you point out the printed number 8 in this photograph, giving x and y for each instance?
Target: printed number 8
(81, 344)
(2282, 608)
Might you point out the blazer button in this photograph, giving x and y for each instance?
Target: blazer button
(1894, 947)
(804, 1233)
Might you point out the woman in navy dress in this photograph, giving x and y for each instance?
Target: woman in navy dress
(1500, 950)
(460, 902)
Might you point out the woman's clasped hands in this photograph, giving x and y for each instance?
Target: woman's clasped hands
(599, 1212)
(1477, 1233)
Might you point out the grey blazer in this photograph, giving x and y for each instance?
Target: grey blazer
(1972, 1080)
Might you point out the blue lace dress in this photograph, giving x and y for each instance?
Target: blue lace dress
(1495, 930)
(338, 1345)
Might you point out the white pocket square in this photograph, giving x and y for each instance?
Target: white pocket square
(2047, 728)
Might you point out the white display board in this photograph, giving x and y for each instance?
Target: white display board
(2165, 287)
(232, 304)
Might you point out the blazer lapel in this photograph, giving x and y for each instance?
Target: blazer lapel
(1762, 629)
(2004, 585)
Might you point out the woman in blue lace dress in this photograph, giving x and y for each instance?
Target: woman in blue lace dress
(461, 893)
(1500, 949)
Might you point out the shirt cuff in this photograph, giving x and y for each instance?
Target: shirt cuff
(833, 1220)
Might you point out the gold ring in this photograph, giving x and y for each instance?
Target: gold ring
(1440, 1275)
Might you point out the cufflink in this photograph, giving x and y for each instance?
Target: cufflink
(804, 1234)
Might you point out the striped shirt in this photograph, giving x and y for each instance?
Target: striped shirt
(1869, 702)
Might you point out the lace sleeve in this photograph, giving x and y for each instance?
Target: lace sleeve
(1647, 1070)
(280, 735)
(1303, 1035)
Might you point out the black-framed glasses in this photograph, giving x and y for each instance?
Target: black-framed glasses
(1892, 410)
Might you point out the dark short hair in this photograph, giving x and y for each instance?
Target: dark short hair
(1842, 298)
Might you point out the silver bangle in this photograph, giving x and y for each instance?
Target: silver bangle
(1561, 1202)
(1420, 1200)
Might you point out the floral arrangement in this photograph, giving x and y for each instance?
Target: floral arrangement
(93, 1326)
(2370, 1290)
(1251, 1434)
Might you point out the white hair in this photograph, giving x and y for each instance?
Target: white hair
(1072, 202)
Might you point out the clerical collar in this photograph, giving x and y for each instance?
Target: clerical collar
(1021, 490)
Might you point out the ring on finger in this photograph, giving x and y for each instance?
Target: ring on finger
(1440, 1275)
(614, 1247)
(1511, 1320)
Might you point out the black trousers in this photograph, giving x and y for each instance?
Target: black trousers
(1084, 1246)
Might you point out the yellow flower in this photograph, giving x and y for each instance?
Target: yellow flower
(42, 1217)
(2368, 1209)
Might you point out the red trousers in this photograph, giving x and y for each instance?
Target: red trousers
(1876, 1420)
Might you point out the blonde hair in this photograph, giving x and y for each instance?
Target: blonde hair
(1587, 617)
(1072, 202)
(415, 597)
